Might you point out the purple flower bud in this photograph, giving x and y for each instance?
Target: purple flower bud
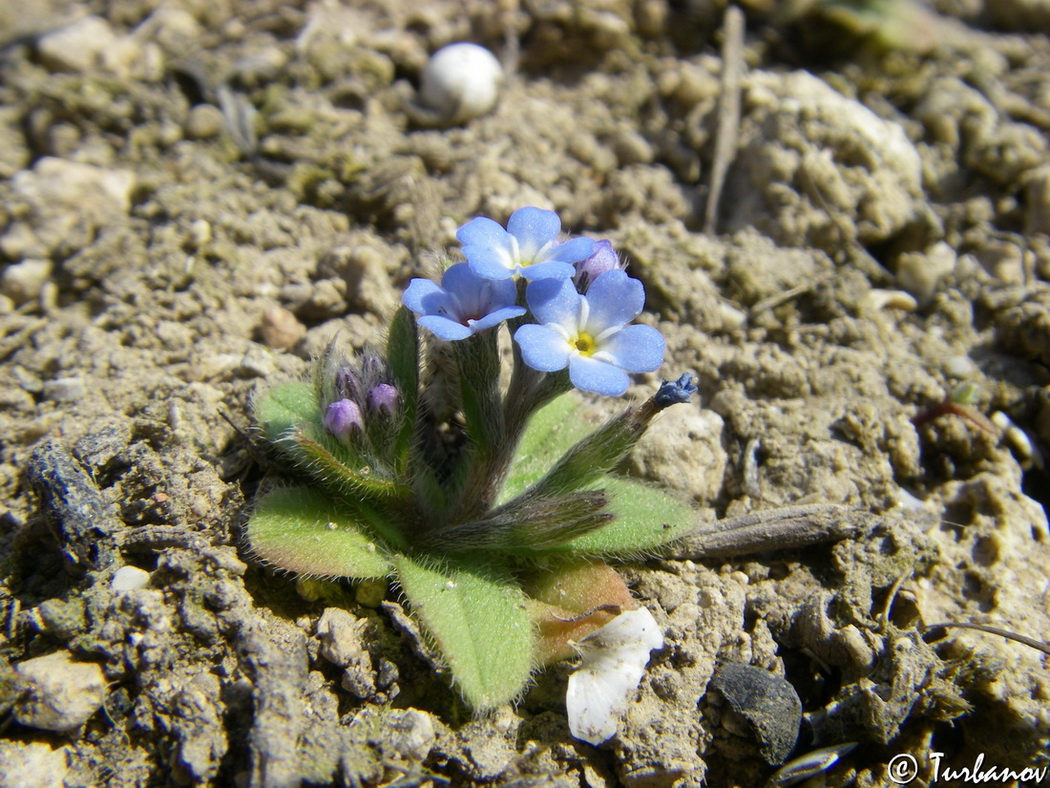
(674, 393)
(343, 418)
(604, 258)
(383, 398)
(347, 382)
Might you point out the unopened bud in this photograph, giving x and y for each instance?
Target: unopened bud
(604, 258)
(674, 392)
(343, 418)
(383, 398)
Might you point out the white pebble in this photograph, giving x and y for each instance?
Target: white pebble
(129, 578)
(460, 82)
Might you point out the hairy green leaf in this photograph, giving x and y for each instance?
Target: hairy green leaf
(646, 518)
(306, 531)
(476, 614)
(280, 409)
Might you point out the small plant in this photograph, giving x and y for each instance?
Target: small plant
(494, 510)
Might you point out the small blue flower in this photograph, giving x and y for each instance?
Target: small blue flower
(589, 333)
(529, 246)
(463, 304)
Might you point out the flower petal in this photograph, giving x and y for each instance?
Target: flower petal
(554, 301)
(445, 328)
(489, 263)
(482, 231)
(614, 299)
(550, 269)
(497, 317)
(543, 348)
(420, 294)
(573, 250)
(534, 228)
(590, 374)
(634, 348)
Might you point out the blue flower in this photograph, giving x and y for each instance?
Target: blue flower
(589, 333)
(463, 304)
(529, 246)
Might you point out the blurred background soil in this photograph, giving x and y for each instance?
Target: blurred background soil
(196, 196)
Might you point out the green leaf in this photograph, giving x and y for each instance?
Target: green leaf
(551, 432)
(309, 532)
(476, 614)
(402, 352)
(284, 407)
(646, 518)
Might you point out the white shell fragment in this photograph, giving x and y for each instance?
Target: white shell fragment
(613, 661)
(460, 82)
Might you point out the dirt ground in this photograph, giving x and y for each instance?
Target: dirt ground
(196, 196)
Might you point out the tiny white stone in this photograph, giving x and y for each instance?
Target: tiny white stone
(460, 82)
(613, 660)
(129, 578)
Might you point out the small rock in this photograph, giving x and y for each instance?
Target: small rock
(204, 121)
(22, 282)
(257, 362)
(57, 694)
(67, 389)
(67, 200)
(920, 272)
(460, 82)
(280, 328)
(129, 578)
(340, 636)
(31, 765)
(411, 733)
(768, 702)
(78, 46)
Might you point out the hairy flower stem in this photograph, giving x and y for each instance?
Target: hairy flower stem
(600, 452)
(488, 456)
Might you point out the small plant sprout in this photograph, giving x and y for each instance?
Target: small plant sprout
(495, 516)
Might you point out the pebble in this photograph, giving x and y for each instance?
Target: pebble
(129, 578)
(23, 282)
(78, 46)
(31, 765)
(460, 82)
(340, 636)
(876, 300)
(57, 694)
(920, 272)
(281, 329)
(204, 121)
(768, 702)
(68, 389)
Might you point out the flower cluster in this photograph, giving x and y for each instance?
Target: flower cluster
(578, 295)
(491, 505)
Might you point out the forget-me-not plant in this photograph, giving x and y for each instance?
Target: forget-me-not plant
(493, 510)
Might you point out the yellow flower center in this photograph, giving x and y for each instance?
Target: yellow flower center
(585, 344)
